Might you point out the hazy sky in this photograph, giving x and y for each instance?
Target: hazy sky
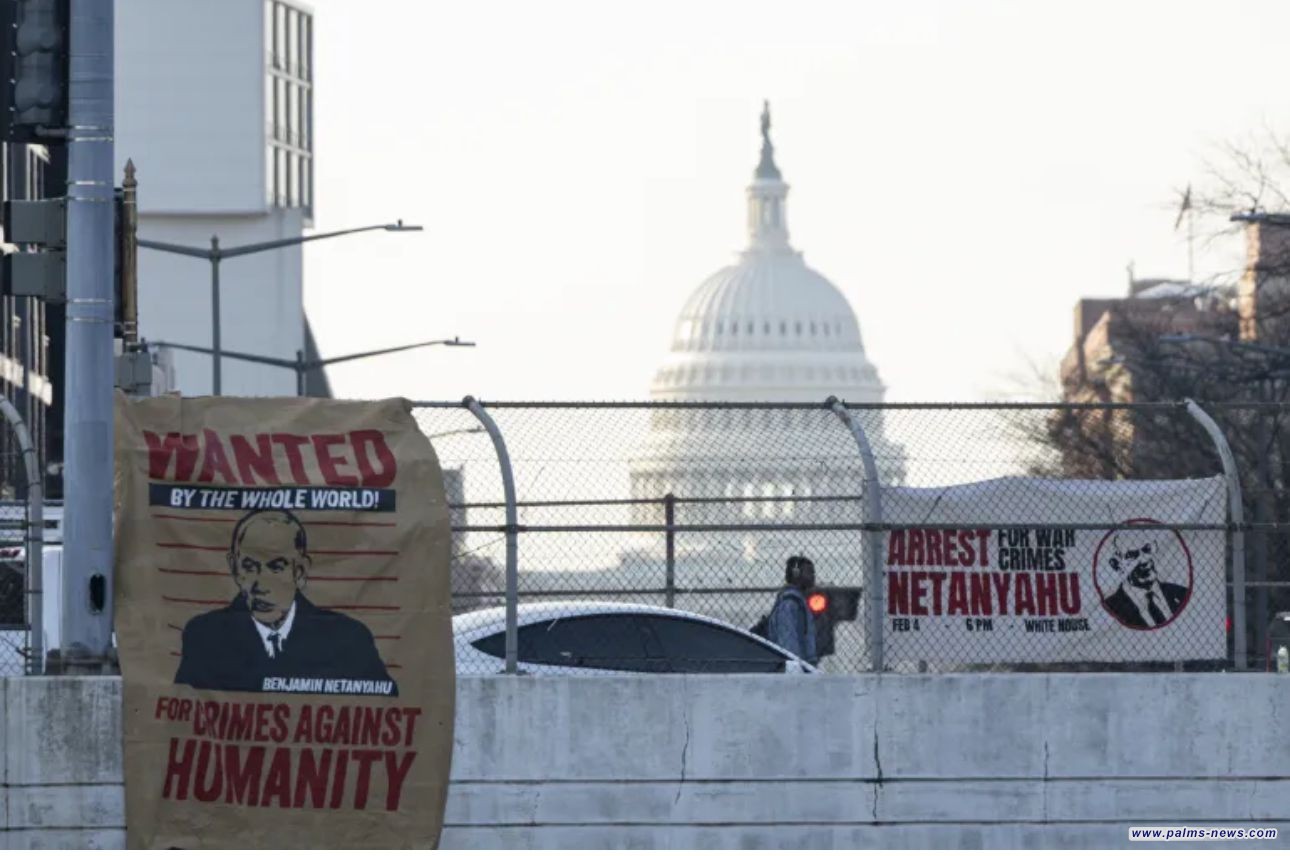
(963, 172)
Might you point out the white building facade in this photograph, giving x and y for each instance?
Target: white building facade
(214, 106)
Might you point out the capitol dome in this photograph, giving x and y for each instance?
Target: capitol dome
(767, 328)
(757, 484)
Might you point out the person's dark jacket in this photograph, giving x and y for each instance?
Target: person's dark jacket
(1123, 608)
(223, 651)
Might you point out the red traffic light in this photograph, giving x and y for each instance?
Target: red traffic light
(818, 602)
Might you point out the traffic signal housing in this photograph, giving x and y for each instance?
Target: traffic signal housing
(41, 270)
(830, 605)
(34, 62)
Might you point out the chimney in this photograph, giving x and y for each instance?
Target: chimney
(1263, 296)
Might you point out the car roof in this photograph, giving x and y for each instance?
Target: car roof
(482, 622)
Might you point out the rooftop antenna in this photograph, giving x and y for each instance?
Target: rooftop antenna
(1186, 209)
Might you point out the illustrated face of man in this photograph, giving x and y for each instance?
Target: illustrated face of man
(1140, 561)
(268, 568)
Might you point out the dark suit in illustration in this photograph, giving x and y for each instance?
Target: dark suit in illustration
(223, 651)
(1119, 604)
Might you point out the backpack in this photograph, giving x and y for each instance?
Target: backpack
(762, 627)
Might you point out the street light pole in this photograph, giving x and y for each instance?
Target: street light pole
(301, 366)
(216, 254)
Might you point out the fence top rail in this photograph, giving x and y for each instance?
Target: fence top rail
(885, 526)
(1162, 406)
(659, 500)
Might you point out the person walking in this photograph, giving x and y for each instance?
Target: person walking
(790, 624)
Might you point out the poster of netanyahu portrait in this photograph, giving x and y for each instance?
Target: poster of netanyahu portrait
(1081, 571)
(282, 616)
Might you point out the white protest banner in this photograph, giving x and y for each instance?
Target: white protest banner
(1082, 571)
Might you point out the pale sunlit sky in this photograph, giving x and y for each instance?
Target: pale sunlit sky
(962, 171)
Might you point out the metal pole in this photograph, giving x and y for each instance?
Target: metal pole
(216, 388)
(1262, 514)
(512, 532)
(35, 538)
(669, 520)
(300, 374)
(87, 617)
(872, 537)
(1236, 514)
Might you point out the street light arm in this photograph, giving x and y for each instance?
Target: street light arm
(177, 249)
(236, 355)
(248, 249)
(215, 254)
(456, 343)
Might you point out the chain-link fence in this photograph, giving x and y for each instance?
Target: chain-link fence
(1017, 537)
(21, 522)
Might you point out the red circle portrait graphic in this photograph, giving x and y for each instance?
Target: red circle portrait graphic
(1131, 566)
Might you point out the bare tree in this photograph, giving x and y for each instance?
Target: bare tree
(1226, 345)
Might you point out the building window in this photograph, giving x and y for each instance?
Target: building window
(303, 128)
(269, 12)
(305, 44)
(279, 35)
(268, 176)
(293, 43)
(292, 117)
(280, 177)
(289, 106)
(270, 87)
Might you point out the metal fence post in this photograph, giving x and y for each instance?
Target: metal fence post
(34, 540)
(1236, 512)
(512, 531)
(872, 534)
(669, 522)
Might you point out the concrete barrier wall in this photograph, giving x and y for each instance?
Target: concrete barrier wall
(763, 761)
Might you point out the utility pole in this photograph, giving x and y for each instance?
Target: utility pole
(87, 562)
